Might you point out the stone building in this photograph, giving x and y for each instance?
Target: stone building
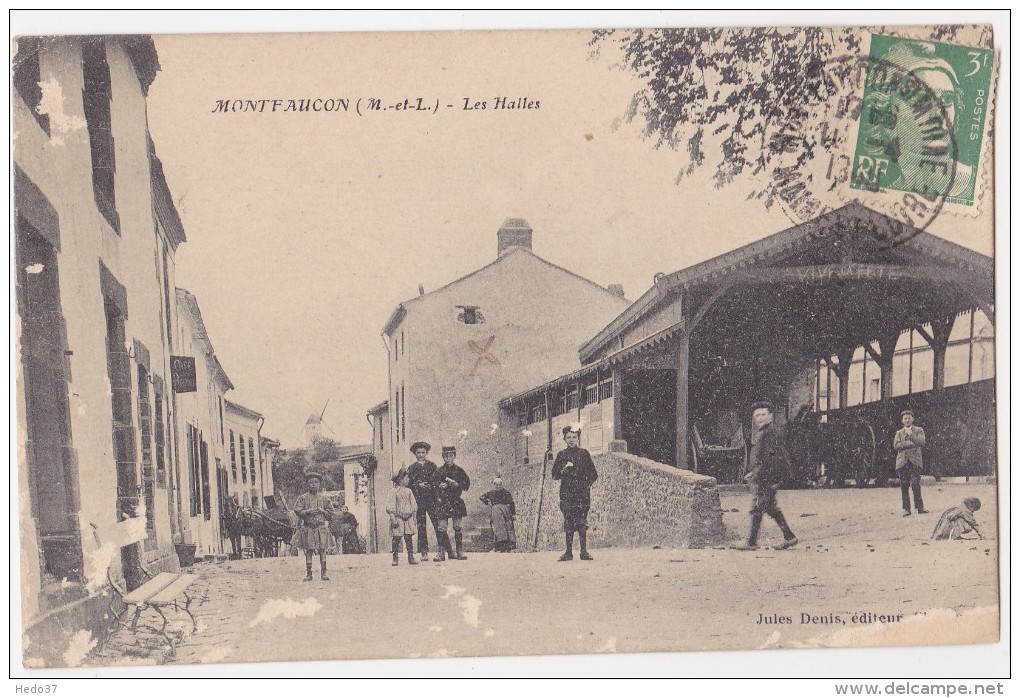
(95, 237)
(121, 442)
(200, 426)
(455, 351)
(358, 464)
(243, 467)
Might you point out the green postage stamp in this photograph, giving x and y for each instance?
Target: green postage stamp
(923, 121)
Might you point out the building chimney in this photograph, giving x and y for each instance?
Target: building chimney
(515, 232)
(616, 289)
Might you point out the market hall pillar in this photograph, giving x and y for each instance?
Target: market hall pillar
(884, 358)
(683, 357)
(618, 403)
(938, 340)
(844, 359)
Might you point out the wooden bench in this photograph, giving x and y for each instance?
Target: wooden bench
(162, 590)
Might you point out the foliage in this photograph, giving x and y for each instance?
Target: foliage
(289, 473)
(325, 449)
(289, 469)
(720, 87)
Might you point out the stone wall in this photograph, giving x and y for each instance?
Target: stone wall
(636, 502)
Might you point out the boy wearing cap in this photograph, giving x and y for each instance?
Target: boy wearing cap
(907, 443)
(449, 483)
(314, 511)
(576, 472)
(421, 473)
(770, 465)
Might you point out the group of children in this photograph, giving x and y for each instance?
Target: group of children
(314, 509)
(403, 511)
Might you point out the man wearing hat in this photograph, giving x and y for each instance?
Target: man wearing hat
(770, 466)
(421, 474)
(907, 443)
(449, 483)
(576, 472)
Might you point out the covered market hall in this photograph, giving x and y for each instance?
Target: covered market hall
(842, 322)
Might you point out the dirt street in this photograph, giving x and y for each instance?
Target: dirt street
(862, 575)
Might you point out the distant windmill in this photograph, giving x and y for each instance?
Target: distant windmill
(315, 428)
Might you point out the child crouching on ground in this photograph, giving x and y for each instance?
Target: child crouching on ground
(402, 510)
(957, 521)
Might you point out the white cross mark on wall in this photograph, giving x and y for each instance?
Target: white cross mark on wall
(483, 353)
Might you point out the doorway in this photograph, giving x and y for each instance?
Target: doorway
(648, 413)
(52, 466)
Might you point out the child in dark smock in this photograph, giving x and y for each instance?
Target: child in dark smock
(314, 511)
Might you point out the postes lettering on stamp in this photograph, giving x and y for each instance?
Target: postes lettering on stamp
(923, 121)
(880, 129)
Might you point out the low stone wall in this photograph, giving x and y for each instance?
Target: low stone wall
(636, 502)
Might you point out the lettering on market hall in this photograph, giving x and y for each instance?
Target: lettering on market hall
(365, 106)
(829, 619)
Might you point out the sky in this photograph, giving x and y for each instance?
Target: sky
(305, 230)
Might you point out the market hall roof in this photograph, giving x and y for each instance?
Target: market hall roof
(836, 246)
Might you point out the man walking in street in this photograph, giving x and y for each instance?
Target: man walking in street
(576, 472)
(769, 467)
(421, 474)
(449, 484)
(907, 443)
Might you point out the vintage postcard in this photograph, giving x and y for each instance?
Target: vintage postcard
(344, 346)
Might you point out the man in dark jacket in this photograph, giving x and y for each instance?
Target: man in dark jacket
(576, 472)
(449, 483)
(421, 474)
(770, 466)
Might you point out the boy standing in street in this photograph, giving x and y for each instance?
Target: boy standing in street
(907, 443)
(450, 483)
(576, 472)
(402, 510)
(770, 465)
(421, 473)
